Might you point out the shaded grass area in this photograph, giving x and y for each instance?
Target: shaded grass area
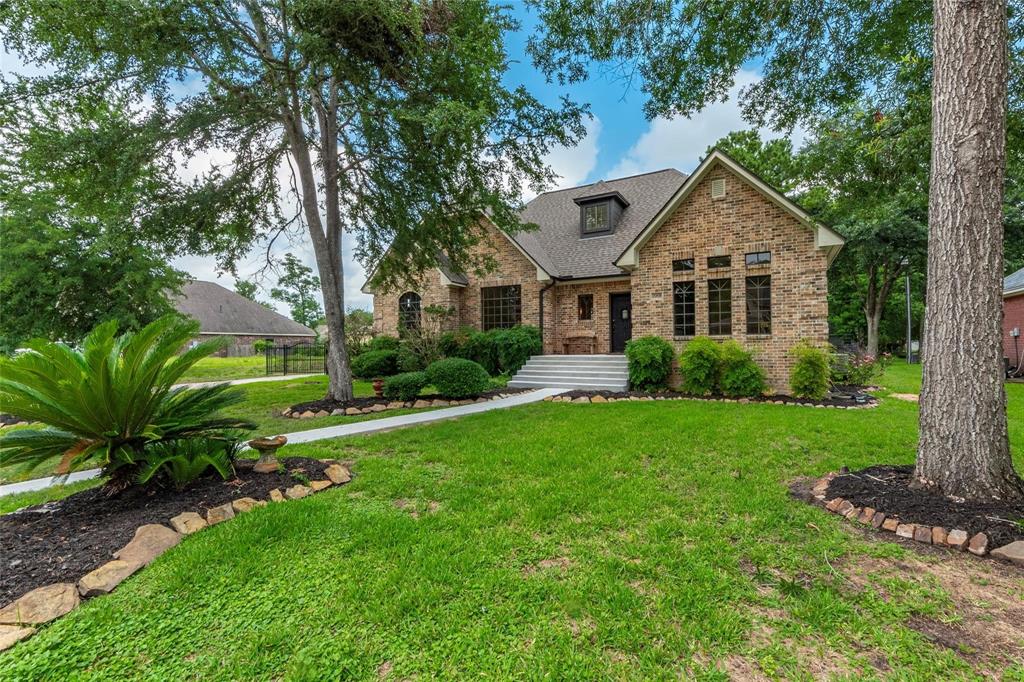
(629, 540)
(9, 503)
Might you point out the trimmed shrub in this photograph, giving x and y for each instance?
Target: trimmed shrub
(375, 363)
(650, 362)
(409, 361)
(738, 374)
(405, 386)
(482, 348)
(515, 346)
(699, 366)
(810, 373)
(383, 343)
(260, 347)
(458, 378)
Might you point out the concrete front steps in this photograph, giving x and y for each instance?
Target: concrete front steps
(584, 372)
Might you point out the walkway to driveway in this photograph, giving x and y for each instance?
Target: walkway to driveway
(337, 431)
(254, 380)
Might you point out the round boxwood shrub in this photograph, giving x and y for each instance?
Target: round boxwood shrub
(809, 375)
(699, 366)
(515, 346)
(405, 386)
(650, 362)
(458, 378)
(375, 363)
(739, 376)
(383, 343)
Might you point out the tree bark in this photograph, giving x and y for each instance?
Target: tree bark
(964, 449)
(326, 246)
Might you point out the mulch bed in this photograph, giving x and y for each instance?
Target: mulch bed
(886, 488)
(362, 403)
(840, 396)
(63, 540)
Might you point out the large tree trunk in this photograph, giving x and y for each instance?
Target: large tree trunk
(874, 320)
(964, 450)
(326, 244)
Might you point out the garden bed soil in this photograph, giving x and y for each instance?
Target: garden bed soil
(840, 396)
(63, 540)
(9, 419)
(886, 488)
(329, 405)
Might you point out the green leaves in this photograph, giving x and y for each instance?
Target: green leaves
(114, 399)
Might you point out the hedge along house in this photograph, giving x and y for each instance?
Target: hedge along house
(222, 312)
(718, 253)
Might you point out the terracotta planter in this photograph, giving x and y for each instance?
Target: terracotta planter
(267, 447)
(378, 388)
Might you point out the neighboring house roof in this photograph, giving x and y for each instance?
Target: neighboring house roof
(1014, 284)
(557, 245)
(222, 311)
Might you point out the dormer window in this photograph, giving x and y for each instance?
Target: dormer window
(597, 217)
(600, 213)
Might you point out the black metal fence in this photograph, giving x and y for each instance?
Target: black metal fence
(300, 358)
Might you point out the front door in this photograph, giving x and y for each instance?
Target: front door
(621, 312)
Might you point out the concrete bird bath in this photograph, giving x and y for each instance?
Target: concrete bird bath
(267, 447)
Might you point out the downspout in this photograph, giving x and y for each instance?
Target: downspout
(541, 325)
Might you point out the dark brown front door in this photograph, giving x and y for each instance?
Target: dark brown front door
(621, 312)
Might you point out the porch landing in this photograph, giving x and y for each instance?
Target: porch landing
(585, 372)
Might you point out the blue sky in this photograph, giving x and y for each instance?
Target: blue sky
(620, 141)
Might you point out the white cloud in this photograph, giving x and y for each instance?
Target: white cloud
(574, 164)
(681, 142)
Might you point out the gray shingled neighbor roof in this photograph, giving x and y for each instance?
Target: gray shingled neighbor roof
(1014, 282)
(222, 311)
(557, 245)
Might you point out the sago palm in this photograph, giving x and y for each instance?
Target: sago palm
(113, 402)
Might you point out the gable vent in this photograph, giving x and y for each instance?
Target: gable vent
(718, 188)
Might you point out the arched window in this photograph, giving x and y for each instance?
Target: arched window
(409, 310)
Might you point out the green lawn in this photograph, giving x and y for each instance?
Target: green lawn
(621, 541)
(223, 369)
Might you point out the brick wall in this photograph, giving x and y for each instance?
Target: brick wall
(1013, 316)
(433, 291)
(743, 221)
(564, 324)
(512, 267)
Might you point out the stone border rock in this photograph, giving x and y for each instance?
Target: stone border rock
(47, 603)
(392, 405)
(950, 538)
(791, 403)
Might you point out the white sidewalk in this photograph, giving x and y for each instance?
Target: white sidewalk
(338, 431)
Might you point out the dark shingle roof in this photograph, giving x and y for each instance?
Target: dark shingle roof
(1014, 281)
(557, 245)
(220, 310)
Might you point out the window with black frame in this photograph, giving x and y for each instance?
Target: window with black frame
(684, 318)
(759, 305)
(409, 312)
(720, 307)
(500, 307)
(585, 306)
(597, 218)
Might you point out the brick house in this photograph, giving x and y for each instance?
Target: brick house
(1013, 318)
(717, 253)
(222, 312)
